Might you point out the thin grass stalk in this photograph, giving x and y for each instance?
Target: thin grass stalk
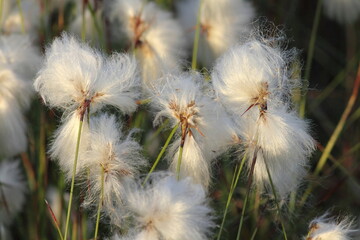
(276, 200)
(73, 178)
(29, 170)
(254, 233)
(1, 13)
(157, 132)
(161, 152)
(247, 193)
(98, 27)
(42, 166)
(196, 39)
(178, 166)
(310, 55)
(234, 182)
(334, 137)
(54, 219)
(18, 2)
(83, 23)
(100, 203)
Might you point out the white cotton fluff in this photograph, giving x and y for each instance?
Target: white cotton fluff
(20, 60)
(253, 81)
(326, 228)
(12, 22)
(222, 23)
(117, 155)
(343, 11)
(76, 77)
(182, 100)
(284, 143)
(157, 38)
(12, 190)
(169, 209)
(251, 69)
(74, 72)
(13, 138)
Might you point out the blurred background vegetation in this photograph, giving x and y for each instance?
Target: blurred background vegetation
(333, 71)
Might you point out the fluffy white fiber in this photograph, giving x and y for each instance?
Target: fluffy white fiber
(327, 228)
(253, 81)
(155, 36)
(182, 99)
(18, 62)
(73, 73)
(13, 188)
(284, 143)
(222, 22)
(343, 11)
(117, 155)
(63, 145)
(168, 209)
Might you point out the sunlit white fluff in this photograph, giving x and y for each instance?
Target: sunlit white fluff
(118, 156)
(74, 73)
(63, 144)
(156, 37)
(12, 128)
(253, 80)
(282, 140)
(222, 23)
(327, 228)
(253, 72)
(12, 22)
(182, 99)
(343, 11)
(13, 188)
(20, 61)
(169, 209)
(78, 79)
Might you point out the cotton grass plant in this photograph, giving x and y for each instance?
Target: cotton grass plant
(142, 147)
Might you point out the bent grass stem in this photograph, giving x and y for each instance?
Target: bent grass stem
(101, 198)
(73, 178)
(233, 185)
(161, 152)
(276, 200)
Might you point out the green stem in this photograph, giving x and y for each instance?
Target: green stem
(310, 55)
(83, 24)
(247, 193)
(100, 203)
(73, 179)
(254, 233)
(178, 166)
(234, 182)
(21, 16)
(334, 137)
(276, 200)
(161, 152)
(196, 39)
(98, 26)
(1, 13)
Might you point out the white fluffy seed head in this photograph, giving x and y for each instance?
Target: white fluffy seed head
(327, 228)
(63, 145)
(19, 62)
(13, 138)
(156, 37)
(222, 24)
(74, 73)
(13, 189)
(283, 141)
(204, 125)
(169, 209)
(253, 73)
(343, 11)
(116, 156)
